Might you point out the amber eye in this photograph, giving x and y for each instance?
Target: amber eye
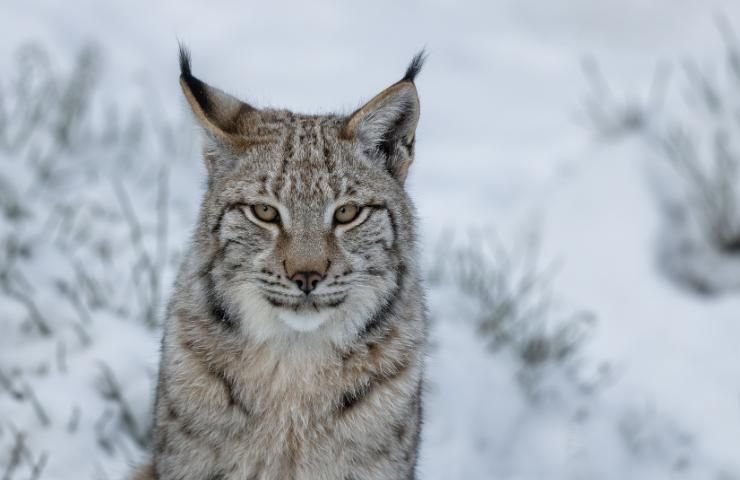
(266, 213)
(346, 213)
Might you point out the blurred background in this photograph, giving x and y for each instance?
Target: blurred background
(578, 190)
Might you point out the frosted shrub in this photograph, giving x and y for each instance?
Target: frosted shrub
(694, 133)
(517, 311)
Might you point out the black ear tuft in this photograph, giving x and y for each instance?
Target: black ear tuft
(184, 61)
(415, 66)
(198, 89)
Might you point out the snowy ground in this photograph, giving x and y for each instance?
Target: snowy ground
(93, 220)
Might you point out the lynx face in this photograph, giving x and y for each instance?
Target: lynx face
(308, 223)
(308, 237)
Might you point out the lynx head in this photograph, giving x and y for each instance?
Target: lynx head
(305, 228)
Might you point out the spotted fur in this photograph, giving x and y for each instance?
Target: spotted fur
(259, 380)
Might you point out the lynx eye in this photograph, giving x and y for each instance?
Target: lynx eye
(265, 212)
(346, 213)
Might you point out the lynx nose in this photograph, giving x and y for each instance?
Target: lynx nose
(307, 281)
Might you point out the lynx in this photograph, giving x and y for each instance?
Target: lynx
(294, 341)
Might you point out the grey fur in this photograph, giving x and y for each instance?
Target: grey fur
(257, 379)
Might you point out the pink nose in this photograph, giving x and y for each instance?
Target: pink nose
(307, 281)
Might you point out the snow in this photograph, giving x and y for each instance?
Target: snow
(653, 391)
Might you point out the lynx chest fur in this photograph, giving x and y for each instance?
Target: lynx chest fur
(295, 338)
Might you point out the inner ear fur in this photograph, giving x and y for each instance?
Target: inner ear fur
(386, 127)
(391, 114)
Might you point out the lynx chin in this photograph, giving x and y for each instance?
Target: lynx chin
(294, 340)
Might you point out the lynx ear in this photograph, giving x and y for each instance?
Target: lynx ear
(218, 112)
(386, 125)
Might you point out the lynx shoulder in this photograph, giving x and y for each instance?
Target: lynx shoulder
(295, 338)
